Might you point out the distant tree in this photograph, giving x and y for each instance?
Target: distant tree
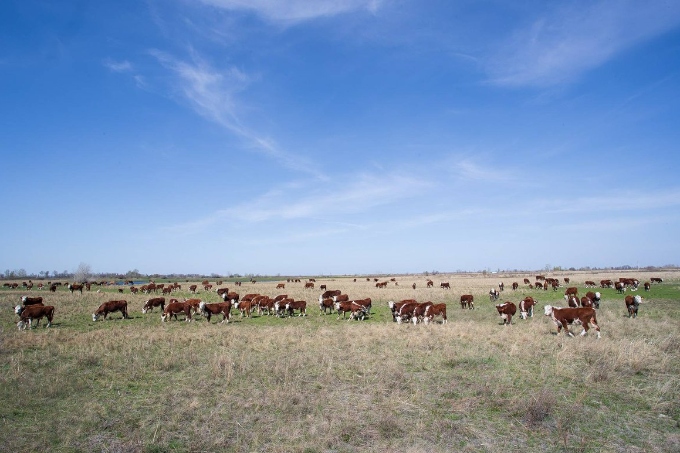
(83, 273)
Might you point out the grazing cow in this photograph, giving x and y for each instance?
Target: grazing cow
(26, 301)
(326, 304)
(586, 301)
(527, 281)
(494, 294)
(193, 288)
(526, 307)
(264, 303)
(31, 312)
(590, 284)
(341, 298)
(323, 287)
(632, 304)
(174, 308)
(539, 285)
(221, 291)
(366, 303)
(150, 304)
(515, 285)
(246, 306)
(562, 317)
(572, 291)
(75, 287)
(419, 312)
(300, 305)
(594, 297)
(507, 310)
(221, 308)
(501, 286)
(430, 283)
(230, 296)
(620, 287)
(606, 283)
(309, 285)
(656, 280)
(355, 310)
(445, 285)
(405, 312)
(467, 301)
(193, 304)
(395, 306)
(435, 310)
(572, 301)
(540, 277)
(134, 290)
(381, 285)
(647, 286)
(53, 287)
(166, 291)
(110, 307)
(566, 280)
(281, 286)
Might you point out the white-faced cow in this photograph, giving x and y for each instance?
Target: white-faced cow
(174, 308)
(221, 308)
(152, 303)
(467, 301)
(526, 307)
(110, 307)
(31, 312)
(494, 294)
(435, 310)
(326, 304)
(299, 305)
(563, 317)
(632, 304)
(515, 285)
(647, 286)
(26, 301)
(595, 297)
(355, 310)
(75, 287)
(507, 310)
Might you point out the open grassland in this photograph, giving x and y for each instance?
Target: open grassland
(316, 384)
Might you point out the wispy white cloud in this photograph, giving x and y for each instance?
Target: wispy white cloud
(469, 169)
(118, 66)
(212, 94)
(570, 40)
(295, 11)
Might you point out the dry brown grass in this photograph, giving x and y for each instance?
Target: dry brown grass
(316, 384)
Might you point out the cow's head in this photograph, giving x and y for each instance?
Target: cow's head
(548, 309)
(95, 316)
(18, 309)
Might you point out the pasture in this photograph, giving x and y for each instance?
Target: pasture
(319, 384)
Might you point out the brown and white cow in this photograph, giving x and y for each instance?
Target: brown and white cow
(221, 308)
(656, 280)
(467, 301)
(515, 285)
(594, 297)
(572, 301)
(589, 284)
(174, 308)
(405, 312)
(586, 301)
(632, 304)
(396, 306)
(435, 310)
(562, 317)
(326, 304)
(110, 307)
(419, 312)
(507, 310)
(494, 294)
(648, 286)
(309, 285)
(445, 285)
(526, 307)
(355, 310)
(29, 313)
(366, 303)
(330, 293)
(26, 301)
(75, 287)
(299, 305)
(572, 291)
(152, 303)
(281, 286)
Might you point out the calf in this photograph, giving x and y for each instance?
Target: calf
(221, 308)
(573, 291)
(405, 312)
(595, 297)
(562, 317)
(467, 301)
(110, 307)
(435, 310)
(419, 312)
(396, 306)
(299, 305)
(355, 310)
(150, 304)
(174, 308)
(494, 294)
(445, 285)
(507, 310)
(326, 305)
(526, 307)
(31, 312)
(572, 301)
(632, 303)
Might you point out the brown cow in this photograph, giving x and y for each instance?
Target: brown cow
(300, 305)
(174, 308)
(26, 301)
(572, 301)
(589, 284)
(507, 310)
(527, 281)
(526, 307)
(221, 308)
(309, 285)
(656, 280)
(405, 312)
(326, 304)
(515, 285)
(395, 306)
(355, 310)
(562, 317)
(632, 304)
(594, 297)
(75, 287)
(193, 288)
(330, 293)
(280, 286)
(572, 291)
(110, 307)
(586, 301)
(150, 304)
(445, 285)
(467, 301)
(435, 310)
(31, 312)
(430, 283)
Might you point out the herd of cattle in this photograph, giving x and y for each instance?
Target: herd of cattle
(580, 311)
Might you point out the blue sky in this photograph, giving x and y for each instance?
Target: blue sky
(334, 137)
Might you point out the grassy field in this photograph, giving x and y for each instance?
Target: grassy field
(318, 384)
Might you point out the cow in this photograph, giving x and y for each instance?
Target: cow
(539, 285)
(515, 285)
(620, 287)
(326, 304)
(445, 285)
(572, 301)
(594, 297)
(435, 310)
(299, 305)
(221, 308)
(562, 317)
(589, 284)
(366, 303)
(309, 285)
(264, 303)
(526, 307)
(405, 312)
(323, 287)
(494, 294)
(381, 285)
(586, 301)
(31, 312)
(231, 297)
(566, 280)
(395, 306)
(341, 298)
(134, 290)
(656, 280)
(606, 283)
(26, 301)
(430, 283)
(467, 301)
(648, 285)
(355, 310)
(193, 304)
(75, 287)
(507, 310)
(221, 291)
(527, 281)
(572, 291)
(150, 304)
(632, 303)
(246, 306)
(413, 286)
(501, 286)
(419, 312)
(207, 287)
(110, 307)
(330, 293)
(281, 286)
(193, 288)
(174, 308)
(53, 287)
